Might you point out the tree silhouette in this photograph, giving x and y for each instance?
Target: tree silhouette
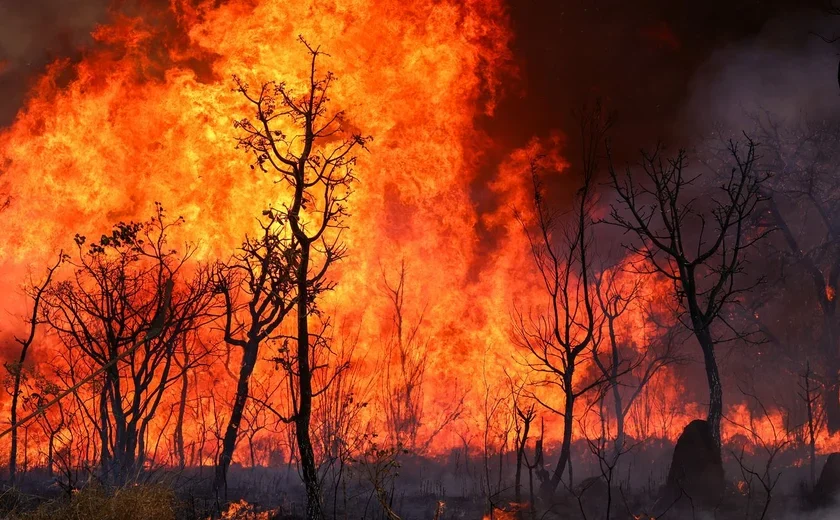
(700, 250)
(126, 309)
(258, 289)
(562, 337)
(16, 369)
(316, 161)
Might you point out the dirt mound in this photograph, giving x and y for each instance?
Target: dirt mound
(696, 476)
(827, 489)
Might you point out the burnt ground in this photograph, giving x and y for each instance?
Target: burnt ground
(455, 487)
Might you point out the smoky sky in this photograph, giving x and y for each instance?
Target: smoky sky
(660, 67)
(639, 56)
(36, 32)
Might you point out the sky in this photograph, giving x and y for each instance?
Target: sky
(639, 55)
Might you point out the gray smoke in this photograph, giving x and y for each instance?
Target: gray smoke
(787, 69)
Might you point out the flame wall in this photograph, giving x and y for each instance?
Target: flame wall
(146, 115)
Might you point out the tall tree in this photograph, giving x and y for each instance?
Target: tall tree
(696, 240)
(803, 198)
(559, 339)
(126, 309)
(259, 292)
(16, 369)
(298, 138)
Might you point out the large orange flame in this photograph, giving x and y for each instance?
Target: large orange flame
(147, 116)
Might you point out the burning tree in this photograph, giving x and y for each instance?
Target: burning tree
(308, 147)
(705, 266)
(403, 401)
(404, 374)
(125, 310)
(803, 199)
(16, 369)
(562, 338)
(627, 370)
(257, 286)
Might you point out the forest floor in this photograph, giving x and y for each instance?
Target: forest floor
(448, 488)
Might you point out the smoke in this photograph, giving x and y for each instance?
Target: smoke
(35, 32)
(786, 69)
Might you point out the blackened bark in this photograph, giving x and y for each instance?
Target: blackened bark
(37, 295)
(249, 360)
(304, 412)
(550, 486)
(182, 408)
(522, 444)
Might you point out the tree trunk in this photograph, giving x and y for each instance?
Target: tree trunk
(105, 459)
(51, 454)
(715, 388)
(304, 414)
(616, 390)
(179, 424)
(619, 420)
(549, 487)
(520, 457)
(832, 366)
(15, 393)
(249, 359)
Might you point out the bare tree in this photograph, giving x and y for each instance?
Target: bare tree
(701, 250)
(258, 289)
(16, 369)
(341, 428)
(626, 369)
(523, 415)
(815, 417)
(804, 205)
(404, 376)
(51, 424)
(561, 338)
(317, 163)
(403, 383)
(772, 445)
(194, 350)
(122, 311)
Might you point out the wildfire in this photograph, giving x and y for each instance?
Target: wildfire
(147, 115)
(242, 510)
(512, 512)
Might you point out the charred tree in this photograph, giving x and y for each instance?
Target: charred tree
(627, 370)
(404, 383)
(562, 337)
(258, 288)
(804, 206)
(317, 164)
(121, 310)
(16, 369)
(700, 250)
(524, 418)
(404, 376)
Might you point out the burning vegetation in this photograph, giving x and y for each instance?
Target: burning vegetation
(247, 276)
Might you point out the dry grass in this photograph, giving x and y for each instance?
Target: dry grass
(139, 502)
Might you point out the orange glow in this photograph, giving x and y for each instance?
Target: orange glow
(147, 115)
